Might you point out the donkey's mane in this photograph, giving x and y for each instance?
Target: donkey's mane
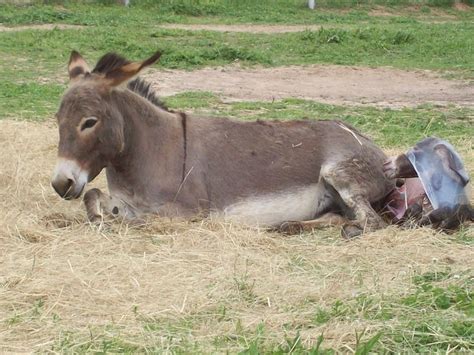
(144, 89)
(111, 61)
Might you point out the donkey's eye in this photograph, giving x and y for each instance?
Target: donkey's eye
(89, 123)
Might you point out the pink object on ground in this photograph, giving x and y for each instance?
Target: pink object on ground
(405, 196)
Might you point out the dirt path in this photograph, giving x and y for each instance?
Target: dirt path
(47, 26)
(249, 28)
(254, 28)
(329, 84)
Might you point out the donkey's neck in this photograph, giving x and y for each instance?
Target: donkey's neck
(150, 165)
(138, 108)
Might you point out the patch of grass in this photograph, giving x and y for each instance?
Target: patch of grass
(429, 295)
(440, 47)
(291, 345)
(361, 307)
(464, 236)
(15, 319)
(245, 342)
(29, 100)
(244, 11)
(337, 310)
(434, 334)
(350, 3)
(97, 343)
(176, 11)
(193, 100)
(432, 318)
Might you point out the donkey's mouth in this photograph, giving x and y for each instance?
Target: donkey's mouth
(74, 193)
(67, 189)
(69, 179)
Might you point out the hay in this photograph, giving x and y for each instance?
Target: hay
(62, 276)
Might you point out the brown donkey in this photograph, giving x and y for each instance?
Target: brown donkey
(297, 174)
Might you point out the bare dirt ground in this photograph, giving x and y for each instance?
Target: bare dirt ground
(63, 281)
(249, 28)
(46, 27)
(433, 15)
(329, 84)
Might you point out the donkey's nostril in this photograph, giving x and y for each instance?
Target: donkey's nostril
(67, 189)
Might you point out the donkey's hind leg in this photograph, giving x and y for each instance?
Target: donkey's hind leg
(327, 220)
(99, 205)
(357, 188)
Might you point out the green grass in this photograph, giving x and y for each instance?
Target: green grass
(407, 45)
(176, 337)
(349, 3)
(266, 11)
(432, 318)
(29, 100)
(252, 343)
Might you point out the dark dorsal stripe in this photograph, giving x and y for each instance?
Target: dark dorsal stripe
(112, 61)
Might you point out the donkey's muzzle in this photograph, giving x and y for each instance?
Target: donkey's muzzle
(69, 179)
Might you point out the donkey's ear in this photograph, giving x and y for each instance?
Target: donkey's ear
(77, 66)
(126, 72)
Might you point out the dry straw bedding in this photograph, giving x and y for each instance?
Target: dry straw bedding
(60, 274)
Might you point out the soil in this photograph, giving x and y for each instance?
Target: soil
(249, 28)
(432, 15)
(47, 26)
(385, 87)
(461, 7)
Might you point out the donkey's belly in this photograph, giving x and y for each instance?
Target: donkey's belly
(297, 204)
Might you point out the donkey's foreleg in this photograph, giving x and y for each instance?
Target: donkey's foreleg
(99, 205)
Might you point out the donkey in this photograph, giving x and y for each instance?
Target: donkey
(294, 175)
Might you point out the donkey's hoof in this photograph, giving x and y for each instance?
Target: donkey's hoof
(290, 228)
(95, 218)
(399, 167)
(350, 231)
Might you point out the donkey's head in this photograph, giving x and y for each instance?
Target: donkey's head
(91, 126)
